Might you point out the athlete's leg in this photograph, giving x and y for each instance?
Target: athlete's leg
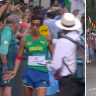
(7, 91)
(40, 91)
(27, 91)
(1, 91)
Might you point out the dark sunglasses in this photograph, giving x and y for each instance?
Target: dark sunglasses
(37, 25)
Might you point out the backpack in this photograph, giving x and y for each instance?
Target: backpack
(80, 56)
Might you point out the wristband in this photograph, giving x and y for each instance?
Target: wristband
(19, 58)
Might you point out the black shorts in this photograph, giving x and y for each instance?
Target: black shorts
(2, 84)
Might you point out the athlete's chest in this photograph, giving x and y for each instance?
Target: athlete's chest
(39, 45)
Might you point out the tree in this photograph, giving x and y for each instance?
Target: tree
(91, 9)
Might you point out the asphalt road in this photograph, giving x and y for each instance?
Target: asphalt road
(91, 79)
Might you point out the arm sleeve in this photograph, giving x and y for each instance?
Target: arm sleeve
(55, 41)
(5, 42)
(57, 58)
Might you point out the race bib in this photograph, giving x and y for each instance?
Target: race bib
(35, 59)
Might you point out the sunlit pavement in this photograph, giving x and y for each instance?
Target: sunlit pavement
(91, 79)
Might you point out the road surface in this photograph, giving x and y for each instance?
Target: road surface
(91, 79)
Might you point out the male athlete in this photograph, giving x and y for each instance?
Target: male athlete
(35, 76)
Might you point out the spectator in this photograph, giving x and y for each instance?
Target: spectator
(8, 52)
(67, 54)
(37, 10)
(26, 10)
(18, 13)
(24, 26)
(24, 18)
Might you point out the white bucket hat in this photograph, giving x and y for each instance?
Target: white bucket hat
(68, 22)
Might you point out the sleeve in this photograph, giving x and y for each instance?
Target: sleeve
(57, 58)
(5, 42)
(54, 41)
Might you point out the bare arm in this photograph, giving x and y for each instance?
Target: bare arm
(2, 9)
(25, 32)
(20, 53)
(21, 35)
(51, 48)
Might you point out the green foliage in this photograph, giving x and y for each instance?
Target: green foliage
(91, 9)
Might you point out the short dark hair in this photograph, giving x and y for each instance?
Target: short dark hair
(37, 10)
(57, 12)
(37, 17)
(63, 6)
(56, 5)
(50, 15)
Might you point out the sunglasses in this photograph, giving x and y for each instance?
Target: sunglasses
(37, 25)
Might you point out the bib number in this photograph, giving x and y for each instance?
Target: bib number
(33, 60)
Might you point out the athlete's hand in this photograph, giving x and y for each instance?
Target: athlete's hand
(10, 75)
(49, 38)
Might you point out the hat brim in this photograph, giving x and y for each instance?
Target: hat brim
(75, 27)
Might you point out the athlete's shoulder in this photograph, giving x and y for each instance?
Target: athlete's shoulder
(27, 35)
(43, 37)
(22, 41)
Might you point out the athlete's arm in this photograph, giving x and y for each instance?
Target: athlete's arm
(20, 53)
(11, 74)
(51, 48)
(50, 45)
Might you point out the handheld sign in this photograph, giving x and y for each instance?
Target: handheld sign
(44, 30)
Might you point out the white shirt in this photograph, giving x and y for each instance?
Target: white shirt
(73, 5)
(20, 21)
(81, 12)
(67, 49)
(80, 30)
(77, 4)
(84, 1)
